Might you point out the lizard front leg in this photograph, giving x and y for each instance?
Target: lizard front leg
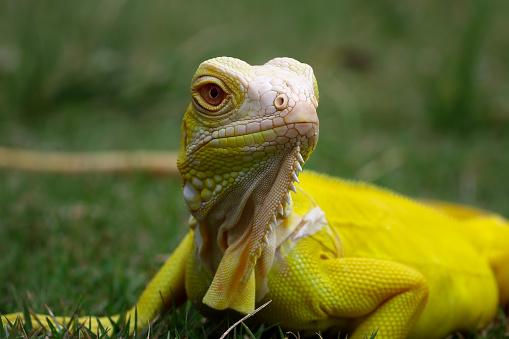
(167, 288)
(315, 289)
(389, 295)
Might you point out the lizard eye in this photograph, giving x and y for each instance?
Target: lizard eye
(211, 97)
(212, 94)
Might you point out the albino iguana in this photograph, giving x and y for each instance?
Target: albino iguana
(327, 252)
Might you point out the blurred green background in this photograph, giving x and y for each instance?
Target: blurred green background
(413, 96)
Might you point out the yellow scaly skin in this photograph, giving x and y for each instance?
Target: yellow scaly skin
(336, 254)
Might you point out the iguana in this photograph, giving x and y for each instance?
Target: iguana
(327, 252)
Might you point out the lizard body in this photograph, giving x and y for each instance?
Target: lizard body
(326, 251)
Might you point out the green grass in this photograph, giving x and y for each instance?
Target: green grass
(413, 96)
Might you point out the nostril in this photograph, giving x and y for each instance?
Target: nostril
(281, 102)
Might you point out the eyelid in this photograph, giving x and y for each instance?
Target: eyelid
(207, 79)
(202, 106)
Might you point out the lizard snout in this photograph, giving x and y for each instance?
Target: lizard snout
(304, 116)
(301, 112)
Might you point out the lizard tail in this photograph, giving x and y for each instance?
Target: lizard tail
(165, 290)
(490, 234)
(96, 325)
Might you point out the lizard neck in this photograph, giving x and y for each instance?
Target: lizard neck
(236, 238)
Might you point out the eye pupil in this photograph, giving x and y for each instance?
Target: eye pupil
(214, 93)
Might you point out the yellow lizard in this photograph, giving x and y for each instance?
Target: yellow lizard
(327, 252)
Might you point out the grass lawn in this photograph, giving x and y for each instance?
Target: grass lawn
(413, 96)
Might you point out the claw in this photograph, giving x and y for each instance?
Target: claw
(265, 240)
(299, 157)
(288, 199)
(292, 188)
(273, 219)
(297, 166)
(258, 252)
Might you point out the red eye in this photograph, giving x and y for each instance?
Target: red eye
(212, 94)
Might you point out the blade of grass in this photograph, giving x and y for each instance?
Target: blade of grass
(26, 315)
(248, 331)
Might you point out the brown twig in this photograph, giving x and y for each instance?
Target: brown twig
(163, 163)
(244, 318)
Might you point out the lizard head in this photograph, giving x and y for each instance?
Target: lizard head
(245, 136)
